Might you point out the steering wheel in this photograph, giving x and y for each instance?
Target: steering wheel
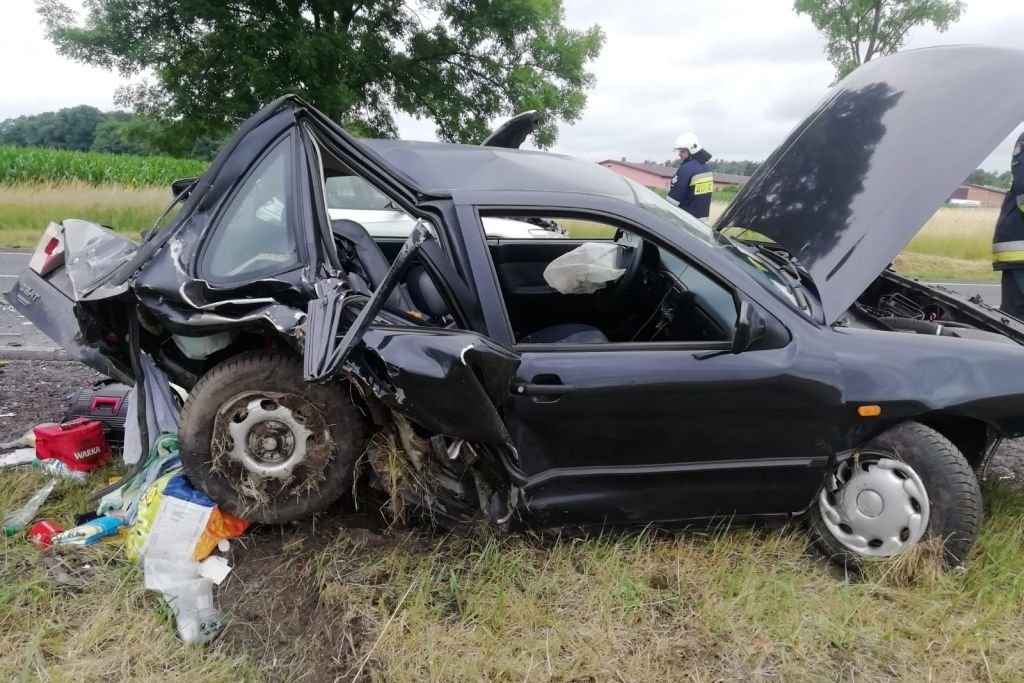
(630, 259)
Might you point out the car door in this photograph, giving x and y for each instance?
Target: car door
(624, 433)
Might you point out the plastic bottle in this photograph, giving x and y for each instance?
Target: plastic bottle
(56, 468)
(18, 519)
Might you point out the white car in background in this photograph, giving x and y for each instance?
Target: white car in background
(352, 198)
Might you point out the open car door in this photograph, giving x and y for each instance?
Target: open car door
(448, 380)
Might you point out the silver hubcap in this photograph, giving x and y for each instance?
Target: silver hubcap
(875, 507)
(266, 438)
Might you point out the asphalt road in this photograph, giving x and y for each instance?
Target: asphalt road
(18, 334)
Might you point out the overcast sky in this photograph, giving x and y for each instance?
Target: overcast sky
(740, 73)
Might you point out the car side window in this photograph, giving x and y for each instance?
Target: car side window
(606, 285)
(255, 235)
(353, 193)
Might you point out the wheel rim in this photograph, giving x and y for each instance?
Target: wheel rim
(875, 506)
(274, 442)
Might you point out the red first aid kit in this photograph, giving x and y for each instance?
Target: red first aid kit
(79, 444)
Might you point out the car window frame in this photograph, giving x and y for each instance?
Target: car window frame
(477, 212)
(296, 262)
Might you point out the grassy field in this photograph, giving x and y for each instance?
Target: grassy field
(322, 602)
(34, 165)
(954, 245)
(26, 208)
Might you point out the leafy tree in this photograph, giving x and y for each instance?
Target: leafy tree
(460, 63)
(113, 135)
(721, 165)
(744, 167)
(856, 31)
(983, 177)
(71, 128)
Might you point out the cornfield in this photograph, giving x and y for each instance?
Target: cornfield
(35, 165)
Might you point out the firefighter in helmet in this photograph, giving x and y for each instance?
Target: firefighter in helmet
(693, 183)
(1008, 241)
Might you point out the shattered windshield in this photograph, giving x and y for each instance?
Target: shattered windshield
(767, 273)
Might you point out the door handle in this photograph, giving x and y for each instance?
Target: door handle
(551, 387)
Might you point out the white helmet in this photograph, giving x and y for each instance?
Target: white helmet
(687, 141)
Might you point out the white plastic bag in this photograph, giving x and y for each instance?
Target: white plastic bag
(585, 269)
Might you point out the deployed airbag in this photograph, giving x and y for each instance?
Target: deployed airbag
(586, 269)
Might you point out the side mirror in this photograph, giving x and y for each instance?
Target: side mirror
(750, 328)
(182, 187)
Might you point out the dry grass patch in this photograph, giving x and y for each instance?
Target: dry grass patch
(26, 209)
(944, 268)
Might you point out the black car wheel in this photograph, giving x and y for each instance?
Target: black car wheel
(264, 444)
(907, 485)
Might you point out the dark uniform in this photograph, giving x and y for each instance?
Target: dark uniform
(1008, 241)
(693, 184)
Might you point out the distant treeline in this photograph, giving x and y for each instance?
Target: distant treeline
(747, 168)
(720, 165)
(87, 129)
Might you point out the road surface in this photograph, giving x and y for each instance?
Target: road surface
(19, 337)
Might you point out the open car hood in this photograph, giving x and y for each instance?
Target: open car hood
(856, 180)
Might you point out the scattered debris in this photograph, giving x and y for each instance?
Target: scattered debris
(42, 532)
(60, 470)
(20, 456)
(92, 532)
(106, 402)
(189, 595)
(79, 444)
(18, 519)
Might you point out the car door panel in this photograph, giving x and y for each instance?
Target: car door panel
(673, 431)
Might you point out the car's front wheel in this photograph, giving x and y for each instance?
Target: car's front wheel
(909, 484)
(264, 444)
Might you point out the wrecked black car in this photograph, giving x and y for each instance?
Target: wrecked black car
(669, 373)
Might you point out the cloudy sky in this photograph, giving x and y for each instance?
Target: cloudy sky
(740, 73)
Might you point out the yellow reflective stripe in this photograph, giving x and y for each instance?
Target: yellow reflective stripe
(1020, 202)
(703, 183)
(1005, 256)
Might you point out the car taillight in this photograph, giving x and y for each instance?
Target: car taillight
(49, 253)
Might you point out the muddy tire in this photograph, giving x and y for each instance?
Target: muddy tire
(908, 485)
(264, 444)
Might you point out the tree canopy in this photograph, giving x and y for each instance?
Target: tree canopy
(86, 128)
(459, 63)
(983, 177)
(744, 167)
(71, 128)
(856, 31)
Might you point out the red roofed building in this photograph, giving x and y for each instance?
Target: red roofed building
(656, 176)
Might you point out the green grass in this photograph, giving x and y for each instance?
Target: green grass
(110, 630)
(740, 605)
(35, 165)
(720, 605)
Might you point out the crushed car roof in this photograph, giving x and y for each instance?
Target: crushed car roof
(451, 167)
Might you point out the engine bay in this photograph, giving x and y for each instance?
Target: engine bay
(896, 303)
